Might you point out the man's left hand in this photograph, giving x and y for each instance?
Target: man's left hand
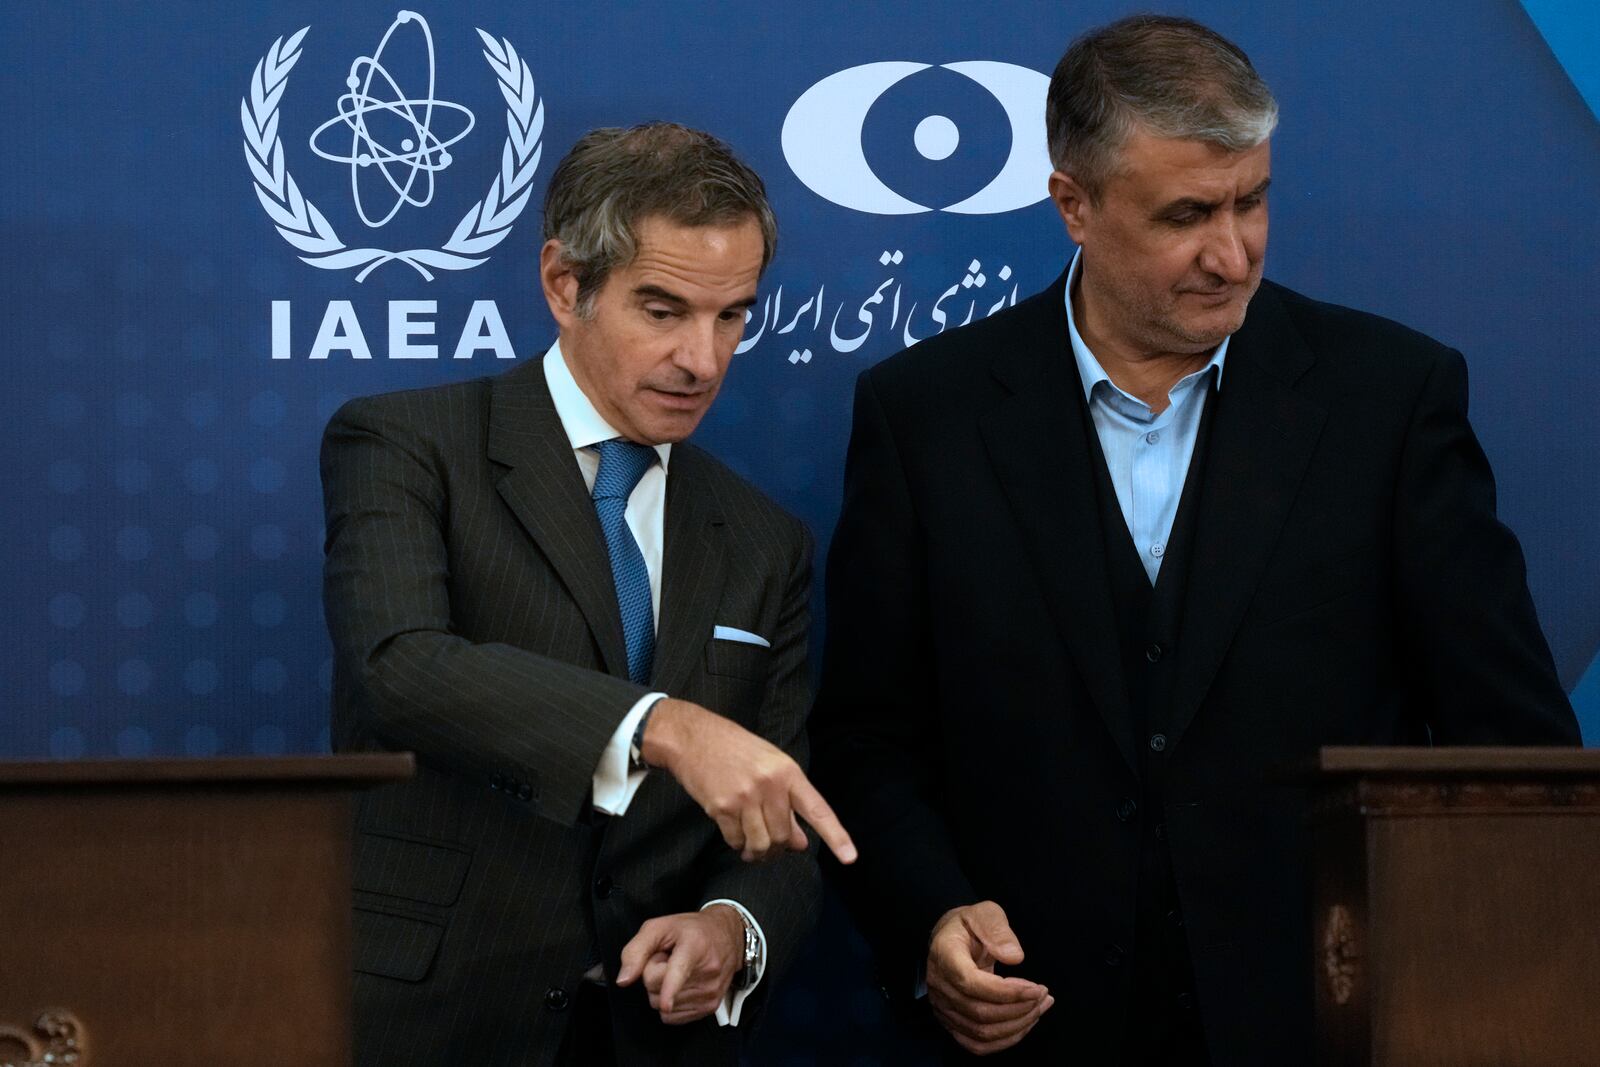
(687, 961)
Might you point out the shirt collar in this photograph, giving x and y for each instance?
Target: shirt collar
(583, 424)
(1089, 369)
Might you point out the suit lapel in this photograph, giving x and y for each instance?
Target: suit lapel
(1262, 439)
(1035, 439)
(692, 570)
(544, 489)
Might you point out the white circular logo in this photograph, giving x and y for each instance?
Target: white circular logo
(822, 138)
(416, 157)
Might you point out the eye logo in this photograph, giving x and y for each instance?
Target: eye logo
(822, 138)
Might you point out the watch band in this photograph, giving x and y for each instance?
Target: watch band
(636, 746)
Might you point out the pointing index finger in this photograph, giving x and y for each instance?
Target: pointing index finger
(815, 810)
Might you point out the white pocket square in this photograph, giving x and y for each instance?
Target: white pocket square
(744, 637)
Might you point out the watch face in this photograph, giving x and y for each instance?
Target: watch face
(752, 956)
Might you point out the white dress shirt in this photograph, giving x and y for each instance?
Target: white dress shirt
(1147, 455)
(615, 782)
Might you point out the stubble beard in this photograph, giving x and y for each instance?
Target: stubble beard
(1169, 333)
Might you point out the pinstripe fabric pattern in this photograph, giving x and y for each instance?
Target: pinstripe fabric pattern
(475, 622)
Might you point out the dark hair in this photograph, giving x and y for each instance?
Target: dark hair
(614, 178)
(1172, 76)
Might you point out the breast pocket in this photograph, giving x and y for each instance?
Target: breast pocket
(734, 680)
(737, 659)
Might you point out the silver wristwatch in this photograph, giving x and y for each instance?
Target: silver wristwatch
(636, 746)
(746, 976)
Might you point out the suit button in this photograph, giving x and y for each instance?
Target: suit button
(1161, 831)
(524, 791)
(602, 887)
(1158, 742)
(555, 999)
(1153, 653)
(497, 783)
(1175, 917)
(1127, 810)
(1113, 956)
(1185, 1001)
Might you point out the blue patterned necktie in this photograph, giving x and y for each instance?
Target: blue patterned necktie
(622, 464)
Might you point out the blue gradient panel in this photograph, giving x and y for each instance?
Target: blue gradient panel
(1572, 29)
(165, 516)
(1586, 701)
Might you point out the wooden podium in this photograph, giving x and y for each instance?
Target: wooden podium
(179, 913)
(1457, 907)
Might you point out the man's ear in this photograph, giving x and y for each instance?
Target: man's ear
(560, 284)
(1073, 204)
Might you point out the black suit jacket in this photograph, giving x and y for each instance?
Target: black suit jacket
(475, 622)
(1348, 584)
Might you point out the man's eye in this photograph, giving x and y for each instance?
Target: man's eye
(659, 314)
(1249, 203)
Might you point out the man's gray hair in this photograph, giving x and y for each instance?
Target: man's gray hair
(1171, 76)
(614, 178)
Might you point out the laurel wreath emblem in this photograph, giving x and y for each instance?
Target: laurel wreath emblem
(484, 225)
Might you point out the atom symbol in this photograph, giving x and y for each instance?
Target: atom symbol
(422, 153)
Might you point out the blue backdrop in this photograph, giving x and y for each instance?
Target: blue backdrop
(192, 289)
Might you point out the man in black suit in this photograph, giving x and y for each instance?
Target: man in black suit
(1110, 558)
(535, 585)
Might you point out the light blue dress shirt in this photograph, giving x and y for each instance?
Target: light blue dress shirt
(1147, 454)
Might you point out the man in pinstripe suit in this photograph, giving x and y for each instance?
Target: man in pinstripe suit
(594, 637)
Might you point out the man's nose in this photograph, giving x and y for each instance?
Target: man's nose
(1224, 254)
(697, 350)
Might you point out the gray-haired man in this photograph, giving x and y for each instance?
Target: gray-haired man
(1109, 558)
(594, 637)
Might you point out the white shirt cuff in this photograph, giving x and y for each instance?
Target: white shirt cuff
(728, 1010)
(615, 781)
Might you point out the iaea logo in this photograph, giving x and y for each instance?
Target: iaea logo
(421, 152)
(822, 137)
(395, 140)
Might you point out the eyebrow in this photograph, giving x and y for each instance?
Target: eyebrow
(655, 292)
(1190, 203)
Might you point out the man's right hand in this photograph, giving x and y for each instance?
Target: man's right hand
(982, 1011)
(751, 787)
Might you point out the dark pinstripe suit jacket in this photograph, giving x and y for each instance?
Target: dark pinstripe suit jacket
(475, 622)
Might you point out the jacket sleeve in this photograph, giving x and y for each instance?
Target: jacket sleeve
(1481, 669)
(528, 725)
(782, 894)
(876, 725)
